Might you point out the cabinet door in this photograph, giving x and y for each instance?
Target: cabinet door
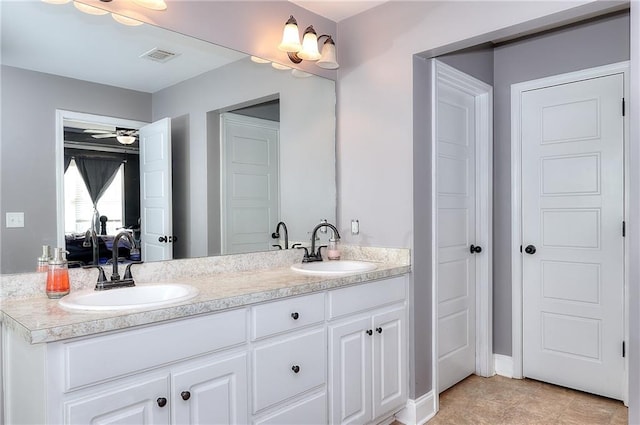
(141, 402)
(211, 391)
(389, 361)
(350, 372)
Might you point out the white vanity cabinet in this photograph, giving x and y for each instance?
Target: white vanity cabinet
(289, 361)
(133, 376)
(332, 356)
(367, 351)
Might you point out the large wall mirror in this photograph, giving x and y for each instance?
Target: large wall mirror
(251, 145)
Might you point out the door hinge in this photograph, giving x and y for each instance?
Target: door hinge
(623, 112)
(624, 351)
(520, 248)
(624, 229)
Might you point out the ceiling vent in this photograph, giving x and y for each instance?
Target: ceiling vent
(159, 55)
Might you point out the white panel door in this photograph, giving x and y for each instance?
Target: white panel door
(456, 232)
(250, 195)
(155, 191)
(572, 213)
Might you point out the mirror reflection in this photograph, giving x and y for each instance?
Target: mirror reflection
(248, 145)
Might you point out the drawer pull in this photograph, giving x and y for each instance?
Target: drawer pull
(295, 315)
(369, 332)
(295, 368)
(161, 401)
(379, 330)
(186, 395)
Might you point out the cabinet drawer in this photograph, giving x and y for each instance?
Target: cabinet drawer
(97, 359)
(286, 315)
(274, 377)
(310, 411)
(367, 296)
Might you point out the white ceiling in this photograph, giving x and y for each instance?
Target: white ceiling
(58, 39)
(337, 10)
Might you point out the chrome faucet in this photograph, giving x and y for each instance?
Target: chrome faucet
(276, 234)
(91, 233)
(317, 255)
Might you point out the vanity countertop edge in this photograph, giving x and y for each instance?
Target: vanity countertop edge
(42, 320)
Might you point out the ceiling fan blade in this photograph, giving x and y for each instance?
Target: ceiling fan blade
(103, 135)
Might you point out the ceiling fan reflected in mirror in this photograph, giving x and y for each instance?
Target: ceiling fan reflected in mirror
(125, 136)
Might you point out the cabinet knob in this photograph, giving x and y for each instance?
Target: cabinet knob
(379, 330)
(475, 249)
(295, 368)
(369, 332)
(295, 315)
(161, 401)
(186, 395)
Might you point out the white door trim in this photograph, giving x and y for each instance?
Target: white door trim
(516, 199)
(483, 94)
(61, 115)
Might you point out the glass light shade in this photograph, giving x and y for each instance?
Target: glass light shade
(256, 59)
(126, 140)
(152, 4)
(91, 10)
(290, 37)
(300, 74)
(125, 20)
(280, 67)
(328, 59)
(56, 1)
(309, 45)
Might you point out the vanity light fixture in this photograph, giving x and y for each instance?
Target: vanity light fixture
(308, 49)
(126, 21)
(91, 10)
(152, 4)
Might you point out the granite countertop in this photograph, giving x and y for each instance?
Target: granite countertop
(38, 319)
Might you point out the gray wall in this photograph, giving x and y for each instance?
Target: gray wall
(27, 167)
(578, 47)
(475, 61)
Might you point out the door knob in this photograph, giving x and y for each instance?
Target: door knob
(295, 315)
(186, 395)
(295, 369)
(475, 249)
(162, 239)
(161, 401)
(369, 332)
(379, 330)
(530, 249)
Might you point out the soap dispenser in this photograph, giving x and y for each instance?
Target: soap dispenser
(333, 248)
(43, 261)
(58, 275)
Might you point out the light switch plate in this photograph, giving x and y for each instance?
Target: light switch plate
(15, 219)
(355, 227)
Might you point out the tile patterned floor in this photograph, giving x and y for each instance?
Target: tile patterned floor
(503, 401)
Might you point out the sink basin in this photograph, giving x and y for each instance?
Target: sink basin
(333, 268)
(139, 296)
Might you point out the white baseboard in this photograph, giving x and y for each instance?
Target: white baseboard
(503, 365)
(419, 411)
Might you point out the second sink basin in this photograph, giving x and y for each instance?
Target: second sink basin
(135, 297)
(332, 268)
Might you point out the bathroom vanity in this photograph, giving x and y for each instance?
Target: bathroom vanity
(267, 346)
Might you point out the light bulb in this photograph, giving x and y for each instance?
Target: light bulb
(309, 45)
(290, 37)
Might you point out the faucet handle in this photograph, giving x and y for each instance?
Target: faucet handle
(306, 253)
(127, 270)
